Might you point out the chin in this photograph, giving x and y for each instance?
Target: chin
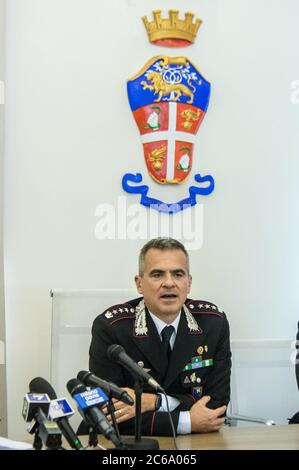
(171, 309)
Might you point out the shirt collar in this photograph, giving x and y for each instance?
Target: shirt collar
(160, 324)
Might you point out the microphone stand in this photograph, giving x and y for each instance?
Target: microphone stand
(93, 437)
(37, 444)
(111, 410)
(138, 442)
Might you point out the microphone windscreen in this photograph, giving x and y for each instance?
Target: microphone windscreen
(40, 385)
(75, 386)
(114, 351)
(83, 375)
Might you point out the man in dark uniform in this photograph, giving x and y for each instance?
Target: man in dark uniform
(182, 343)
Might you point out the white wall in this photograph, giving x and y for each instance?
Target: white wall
(68, 121)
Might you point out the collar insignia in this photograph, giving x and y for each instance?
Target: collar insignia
(192, 323)
(140, 327)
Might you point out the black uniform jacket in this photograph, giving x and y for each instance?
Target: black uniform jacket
(200, 361)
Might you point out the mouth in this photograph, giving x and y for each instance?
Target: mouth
(169, 296)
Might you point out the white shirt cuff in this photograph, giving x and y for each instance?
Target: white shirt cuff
(184, 424)
(172, 402)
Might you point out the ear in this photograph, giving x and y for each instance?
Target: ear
(138, 282)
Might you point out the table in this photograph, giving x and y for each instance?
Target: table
(261, 437)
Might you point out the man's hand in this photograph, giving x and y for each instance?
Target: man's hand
(124, 412)
(205, 420)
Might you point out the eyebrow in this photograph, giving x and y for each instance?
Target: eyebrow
(174, 271)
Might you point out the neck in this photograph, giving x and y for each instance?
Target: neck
(167, 317)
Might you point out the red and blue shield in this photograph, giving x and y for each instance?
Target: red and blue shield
(169, 99)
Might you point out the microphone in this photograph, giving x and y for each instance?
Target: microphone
(109, 388)
(59, 411)
(35, 407)
(116, 353)
(88, 401)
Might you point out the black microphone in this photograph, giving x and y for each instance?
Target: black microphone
(40, 385)
(112, 390)
(90, 412)
(116, 353)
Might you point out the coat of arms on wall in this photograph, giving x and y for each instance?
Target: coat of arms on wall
(169, 99)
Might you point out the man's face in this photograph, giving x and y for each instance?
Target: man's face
(165, 282)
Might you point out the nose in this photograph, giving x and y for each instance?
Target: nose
(168, 280)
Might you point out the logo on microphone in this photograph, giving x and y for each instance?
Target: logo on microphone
(60, 408)
(32, 401)
(90, 398)
(38, 397)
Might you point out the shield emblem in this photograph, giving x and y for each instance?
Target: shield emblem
(169, 99)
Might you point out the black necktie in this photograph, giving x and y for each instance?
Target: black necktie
(166, 335)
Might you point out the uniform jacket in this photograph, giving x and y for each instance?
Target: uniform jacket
(200, 361)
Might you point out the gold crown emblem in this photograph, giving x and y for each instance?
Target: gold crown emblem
(172, 31)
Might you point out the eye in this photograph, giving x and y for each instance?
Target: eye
(179, 274)
(156, 275)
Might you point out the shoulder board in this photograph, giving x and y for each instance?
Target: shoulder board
(203, 307)
(119, 312)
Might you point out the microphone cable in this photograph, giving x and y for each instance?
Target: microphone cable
(170, 420)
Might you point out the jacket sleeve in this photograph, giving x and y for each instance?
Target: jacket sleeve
(153, 424)
(218, 386)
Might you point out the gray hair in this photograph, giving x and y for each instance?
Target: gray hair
(161, 243)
